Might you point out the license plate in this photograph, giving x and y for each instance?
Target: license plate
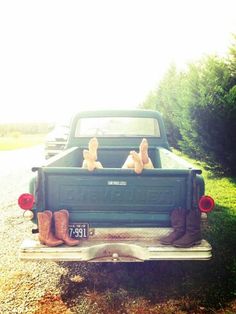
(79, 231)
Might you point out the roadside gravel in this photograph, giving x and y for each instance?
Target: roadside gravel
(22, 284)
(34, 287)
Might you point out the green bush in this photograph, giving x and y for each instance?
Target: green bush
(166, 100)
(208, 124)
(199, 110)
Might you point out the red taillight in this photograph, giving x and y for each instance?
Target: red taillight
(26, 201)
(206, 204)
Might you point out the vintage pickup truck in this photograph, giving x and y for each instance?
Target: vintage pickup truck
(117, 214)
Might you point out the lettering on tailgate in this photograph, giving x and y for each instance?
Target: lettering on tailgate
(116, 195)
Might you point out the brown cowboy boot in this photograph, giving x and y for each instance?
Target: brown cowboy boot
(61, 227)
(45, 229)
(178, 217)
(193, 230)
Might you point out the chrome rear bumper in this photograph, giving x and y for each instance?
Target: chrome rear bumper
(117, 245)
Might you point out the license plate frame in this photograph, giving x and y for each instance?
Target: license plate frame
(79, 231)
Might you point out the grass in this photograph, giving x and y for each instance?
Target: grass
(222, 189)
(18, 140)
(167, 286)
(217, 277)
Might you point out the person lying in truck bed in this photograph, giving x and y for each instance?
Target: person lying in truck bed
(137, 161)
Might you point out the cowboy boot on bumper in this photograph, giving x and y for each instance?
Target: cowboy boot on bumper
(45, 229)
(193, 230)
(61, 218)
(178, 219)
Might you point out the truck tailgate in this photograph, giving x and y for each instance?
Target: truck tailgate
(115, 197)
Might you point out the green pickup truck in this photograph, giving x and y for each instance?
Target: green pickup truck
(116, 214)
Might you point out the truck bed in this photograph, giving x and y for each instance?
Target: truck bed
(115, 197)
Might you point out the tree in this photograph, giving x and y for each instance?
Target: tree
(199, 109)
(209, 114)
(165, 100)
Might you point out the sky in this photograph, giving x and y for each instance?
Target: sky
(59, 57)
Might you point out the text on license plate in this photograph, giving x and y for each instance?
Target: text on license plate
(79, 231)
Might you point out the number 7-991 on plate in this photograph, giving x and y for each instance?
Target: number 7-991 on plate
(78, 231)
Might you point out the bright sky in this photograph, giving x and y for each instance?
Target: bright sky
(58, 57)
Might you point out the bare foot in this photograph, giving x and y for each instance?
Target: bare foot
(89, 161)
(148, 165)
(93, 146)
(143, 151)
(138, 164)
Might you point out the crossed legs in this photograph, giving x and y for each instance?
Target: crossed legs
(137, 161)
(90, 156)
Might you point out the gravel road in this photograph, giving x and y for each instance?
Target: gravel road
(34, 287)
(22, 284)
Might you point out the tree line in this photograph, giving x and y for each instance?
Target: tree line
(24, 128)
(199, 109)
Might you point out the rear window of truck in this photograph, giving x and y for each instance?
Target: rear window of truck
(117, 126)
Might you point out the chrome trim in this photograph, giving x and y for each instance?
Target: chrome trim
(117, 245)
